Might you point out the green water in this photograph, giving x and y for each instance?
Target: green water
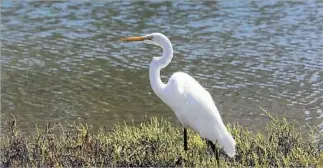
(62, 61)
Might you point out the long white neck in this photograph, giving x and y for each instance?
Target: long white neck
(156, 65)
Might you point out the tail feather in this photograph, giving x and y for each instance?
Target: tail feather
(228, 143)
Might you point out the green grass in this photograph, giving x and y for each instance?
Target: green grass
(158, 143)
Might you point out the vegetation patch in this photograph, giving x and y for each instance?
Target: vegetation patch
(157, 143)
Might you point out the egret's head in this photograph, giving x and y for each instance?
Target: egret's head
(154, 38)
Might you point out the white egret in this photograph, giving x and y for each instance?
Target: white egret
(192, 104)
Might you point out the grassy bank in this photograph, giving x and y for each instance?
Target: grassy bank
(155, 142)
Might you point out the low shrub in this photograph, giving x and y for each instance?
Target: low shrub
(158, 143)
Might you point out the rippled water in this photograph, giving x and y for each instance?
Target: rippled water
(62, 61)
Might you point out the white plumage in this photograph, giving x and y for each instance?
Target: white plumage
(192, 104)
(194, 108)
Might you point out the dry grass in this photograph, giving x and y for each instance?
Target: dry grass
(157, 143)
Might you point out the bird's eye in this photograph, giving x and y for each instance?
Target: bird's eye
(151, 37)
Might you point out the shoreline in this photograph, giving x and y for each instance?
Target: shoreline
(156, 142)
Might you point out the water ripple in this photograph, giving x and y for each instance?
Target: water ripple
(62, 61)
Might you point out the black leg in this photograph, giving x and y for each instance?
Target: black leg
(214, 150)
(185, 139)
(212, 146)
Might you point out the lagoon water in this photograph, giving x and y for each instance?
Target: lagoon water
(62, 61)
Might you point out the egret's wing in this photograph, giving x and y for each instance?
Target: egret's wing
(195, 108)
(203, 116)
(201, 111)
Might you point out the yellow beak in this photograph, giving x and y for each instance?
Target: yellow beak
(138, 38)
